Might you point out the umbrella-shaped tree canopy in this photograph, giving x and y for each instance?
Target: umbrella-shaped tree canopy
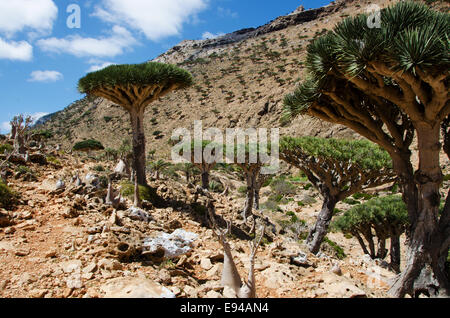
(88, 145)
(134, 85)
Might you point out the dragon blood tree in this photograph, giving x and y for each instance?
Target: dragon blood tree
(251, 158)
(383, 218)
(208, 159)
(134, 87)
(388, 84)
(88, 145)
(337, 169)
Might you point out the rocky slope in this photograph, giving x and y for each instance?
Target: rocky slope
(240, 81)
(65, 242)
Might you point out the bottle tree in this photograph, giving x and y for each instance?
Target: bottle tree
(134, 87)
(337, 169)
(388, 84)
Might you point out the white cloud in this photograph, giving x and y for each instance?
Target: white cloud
(21, 15)
(155, 18)
(96, 66)
(5, 127)
(208, 35)
(45, 76)
(36, 116)
(11, 50)
(111, 46)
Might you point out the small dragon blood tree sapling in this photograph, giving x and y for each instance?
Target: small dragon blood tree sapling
(337, 169)
(385, 217)
(134, 87)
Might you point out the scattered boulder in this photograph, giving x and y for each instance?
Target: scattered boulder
(71, 266)
(173, 245)
(336, 270)
(92, 180)
(60, 185)
(138, 214)
(129, 287)
(300, 260)
(108, 264)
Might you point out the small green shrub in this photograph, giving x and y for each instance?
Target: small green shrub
(99, 168)
(365, 196)
(293, 216)
(340, 254)
(271, 205)
(53, 160)
(282, 187)
(146, 193)
(242, 189)
(215, 186)
(7, 197)
(351, 201)
(6, 147)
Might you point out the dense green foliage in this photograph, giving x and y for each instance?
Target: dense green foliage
(362, 152)
(158, 166)
(388, 212)
(144, 74)
(88, 145)
(43, 133)
(412, 38)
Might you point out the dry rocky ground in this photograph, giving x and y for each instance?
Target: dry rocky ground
(67, 243)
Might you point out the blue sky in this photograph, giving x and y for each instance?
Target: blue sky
(42, 57)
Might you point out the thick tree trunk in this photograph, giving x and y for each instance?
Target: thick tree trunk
(361, 242)
(137, 196)
(317, 234)
(425, 267)
(395, 253)
(137, 125)
(381, 248)
(257, 198)
(367, 233)
(251, 175)
(19, 144)
(205, 179)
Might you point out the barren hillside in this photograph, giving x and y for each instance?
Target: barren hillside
(240, 81)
